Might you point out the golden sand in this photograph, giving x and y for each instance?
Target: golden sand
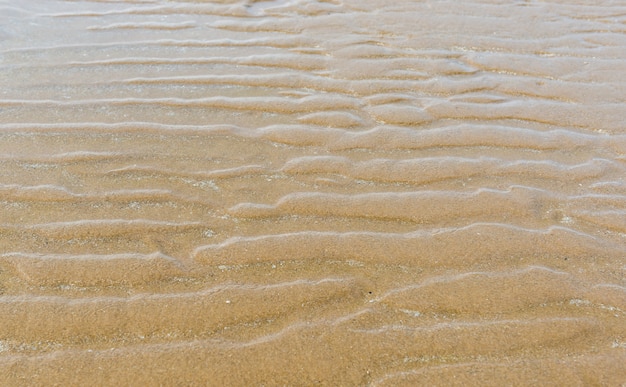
(303, 192)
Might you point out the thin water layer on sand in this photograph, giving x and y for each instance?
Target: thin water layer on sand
(302, 192)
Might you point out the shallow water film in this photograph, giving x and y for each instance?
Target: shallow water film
(302, 192)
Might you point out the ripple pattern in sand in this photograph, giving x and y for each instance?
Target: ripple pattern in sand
(312, 191)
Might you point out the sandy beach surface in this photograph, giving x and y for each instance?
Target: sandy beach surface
(312, 192)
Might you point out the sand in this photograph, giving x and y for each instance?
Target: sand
(312, 192)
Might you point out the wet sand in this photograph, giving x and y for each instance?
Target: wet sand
(312, 192)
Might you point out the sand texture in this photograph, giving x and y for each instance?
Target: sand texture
(312, 192)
